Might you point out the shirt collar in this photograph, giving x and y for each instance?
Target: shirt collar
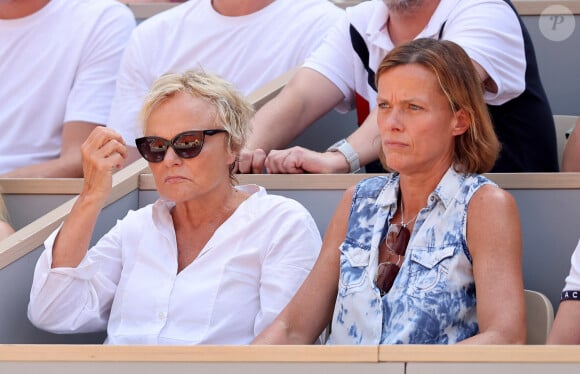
(161, 210)
(446, 191)
(377, 26)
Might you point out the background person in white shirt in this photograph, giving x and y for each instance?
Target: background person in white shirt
(248, 42)
(58, 66)
(339, 74)
(208, 263)
(566, 328)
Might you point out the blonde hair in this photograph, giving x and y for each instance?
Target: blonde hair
(476, 150)
(234, 112)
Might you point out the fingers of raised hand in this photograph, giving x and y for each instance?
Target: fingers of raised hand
(104, 150)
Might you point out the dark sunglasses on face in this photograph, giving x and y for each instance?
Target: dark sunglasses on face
(187, 144)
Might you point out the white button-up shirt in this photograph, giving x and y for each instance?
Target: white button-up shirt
(128, 282)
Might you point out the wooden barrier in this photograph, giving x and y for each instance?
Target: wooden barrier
(405, 359)
(28, 199)
(548, 204)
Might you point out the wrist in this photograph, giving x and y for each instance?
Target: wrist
(347, 151)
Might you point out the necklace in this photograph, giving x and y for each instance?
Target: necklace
(403, 224)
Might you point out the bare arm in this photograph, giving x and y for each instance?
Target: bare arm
(68, 164)
(365, 141)
(103, 153)
(317, 294)
(5, 229)
(488, 83)
(307, 97)
(566, 328)
(495, 243)
(571, 157)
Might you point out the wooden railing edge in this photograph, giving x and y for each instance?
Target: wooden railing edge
(269, 90)
(33, 235)
(295, 353)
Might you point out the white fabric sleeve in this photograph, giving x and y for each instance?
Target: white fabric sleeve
(94, 85)
(573, 278)
(132, 86)
(294, 247)
(334, 59)
(66, 300)
(491, 34)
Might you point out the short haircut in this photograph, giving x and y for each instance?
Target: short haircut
(234, 112)
(477, 149)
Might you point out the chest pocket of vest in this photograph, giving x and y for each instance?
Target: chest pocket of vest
(354, 262)
(429, 270)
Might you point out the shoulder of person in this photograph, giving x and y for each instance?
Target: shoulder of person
(97, 8)
(170, 18)
(489, 8)
(362, 11)
(491, 197)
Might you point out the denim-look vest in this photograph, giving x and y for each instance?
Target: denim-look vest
(432, 300)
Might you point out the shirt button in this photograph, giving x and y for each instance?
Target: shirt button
(161, 315)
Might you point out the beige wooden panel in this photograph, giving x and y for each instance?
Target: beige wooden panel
(491, 368)
(206, 353)
(33, 235)
(538, 7)
(480, 353)
(32, 186)
(198, 368)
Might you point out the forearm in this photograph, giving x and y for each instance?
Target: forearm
(280, 333)
(571, 157)
(72, 242)
(277, 123)
(566, 329)
(307, 97)
(5, 229)
(506, 336)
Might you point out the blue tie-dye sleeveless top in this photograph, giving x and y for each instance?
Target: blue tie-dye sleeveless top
(432, 300)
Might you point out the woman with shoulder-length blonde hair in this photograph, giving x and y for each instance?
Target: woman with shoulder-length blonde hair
(210, 262)
(431, 253)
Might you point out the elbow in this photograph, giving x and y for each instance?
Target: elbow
(513, 334)
(517, 337)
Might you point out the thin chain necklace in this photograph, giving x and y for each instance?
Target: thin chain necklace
(403, 224)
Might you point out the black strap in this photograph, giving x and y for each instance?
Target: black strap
(362, 51)
(441, 30)
(570, 295)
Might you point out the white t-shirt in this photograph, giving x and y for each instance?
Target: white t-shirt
(488, 30)
(240, 281)
(249, 51)
(573, 278)
(58, 65)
